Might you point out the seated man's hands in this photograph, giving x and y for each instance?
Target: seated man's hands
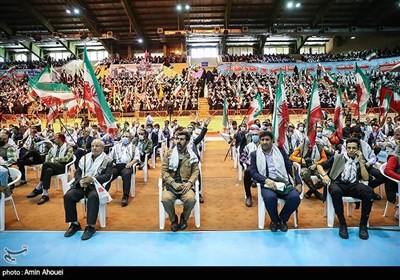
(186, 187)
(312, 167)
(85, 181)
(299, 188)
(270, 184)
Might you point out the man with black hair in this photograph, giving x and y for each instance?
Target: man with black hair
(180, 169)
(59, 155)
(343, 179)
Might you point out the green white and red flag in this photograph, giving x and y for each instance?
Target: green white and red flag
(314, 114)
(280, 116)
(338, 114)
(363, 91)
(254, 110)
(94, 93)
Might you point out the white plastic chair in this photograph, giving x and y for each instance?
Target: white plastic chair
(146, 167)
(382, 169)
(16, 176)
(35, 167)
(132, 191)
(281, 202)
(330, 210)
(64, 176)
(154, 155)
(235, 153)
(163, 215)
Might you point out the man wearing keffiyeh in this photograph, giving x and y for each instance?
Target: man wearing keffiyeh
(346, 171)
(180, 169)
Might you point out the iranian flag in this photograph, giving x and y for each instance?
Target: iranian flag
(52, 114)
(51, 93)
(254, 110)
(363, 91)
(302, 91)
(314, 114)
(44, 76)
(395, 104)
(178, 89)
(338, 115)
(395, 68)
(371, 56)
(92, 91)
(9, 71)
(385, 106)
(281, 113)
(225, 115)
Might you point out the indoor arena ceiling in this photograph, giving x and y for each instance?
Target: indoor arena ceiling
(115, 24)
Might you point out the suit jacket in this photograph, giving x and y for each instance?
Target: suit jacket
(259, 178)
(89, 141)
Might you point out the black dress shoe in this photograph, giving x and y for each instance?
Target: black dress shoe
(201, 198)
(283, 226)
(22, 182)
(43, 199)
(343, 233)
(89, 232)
(34, 193)
(273, 227)
(363, 234)
(175, 224)
(377, 196)
(124, 201)
(249, 202)
(183, 223)
(73, 228)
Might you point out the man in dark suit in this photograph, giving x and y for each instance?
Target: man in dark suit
(270, 165)
(84, 145)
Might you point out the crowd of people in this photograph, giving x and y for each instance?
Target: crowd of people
(341, 165)
(99, 158)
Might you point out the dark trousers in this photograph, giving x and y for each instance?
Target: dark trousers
(356, 190)
(30, 158)
(271, 204)
(377, 179)
(126, 174)
(247, 181)
(79, 153)
(50, 169)
(74, 195)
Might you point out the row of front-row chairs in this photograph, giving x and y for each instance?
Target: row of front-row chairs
(329, 210)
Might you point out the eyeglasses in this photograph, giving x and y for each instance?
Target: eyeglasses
(141, 133)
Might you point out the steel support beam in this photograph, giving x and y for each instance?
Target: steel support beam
(33, 48)
(88, 19)
(325, 6)
(136, 27)
(30, 46)
(228, 11)
(4, 53)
